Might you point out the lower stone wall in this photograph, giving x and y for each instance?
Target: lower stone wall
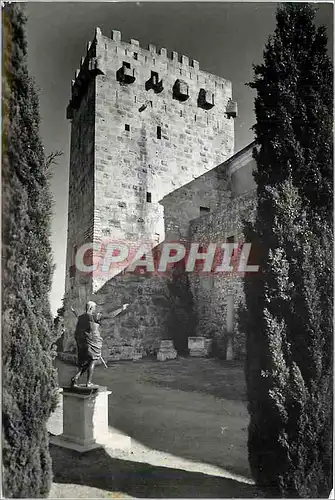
(161, 308)
(136, 332)
(176, 305)
(211, 291)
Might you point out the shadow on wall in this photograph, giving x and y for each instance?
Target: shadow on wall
(140, 480)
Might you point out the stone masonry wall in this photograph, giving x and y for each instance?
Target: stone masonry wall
(211, 291)
(81, 205)
(130, 159)
(210, 190)
(131, 146)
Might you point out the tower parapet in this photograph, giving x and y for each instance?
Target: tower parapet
(91, 65)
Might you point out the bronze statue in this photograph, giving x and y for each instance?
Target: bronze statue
(89, 340)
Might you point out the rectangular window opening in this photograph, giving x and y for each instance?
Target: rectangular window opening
(154, 77)
(135, 56)
(204, 210)
(150, 102)
(127, 127)
(148, 197)
(159, 132)
(74, 253)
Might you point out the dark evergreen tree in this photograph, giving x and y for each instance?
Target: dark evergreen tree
(182, 318)
(289, 302)
(28, 376)
(59, 328)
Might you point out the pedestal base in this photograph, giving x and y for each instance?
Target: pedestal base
(112, 441)
(80, 422)
(65, 443)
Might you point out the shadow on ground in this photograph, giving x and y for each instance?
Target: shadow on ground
(98, 470)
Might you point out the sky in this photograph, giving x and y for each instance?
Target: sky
(226, 38)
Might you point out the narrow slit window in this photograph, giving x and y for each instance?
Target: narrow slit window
(231, 241)
(135, 56)
(204, 210)
(127, 127)
(159, 132)
(148, 197)
(154, 77)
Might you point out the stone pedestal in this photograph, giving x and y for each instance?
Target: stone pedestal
(199, 346)
(85, 421)
(166, 351)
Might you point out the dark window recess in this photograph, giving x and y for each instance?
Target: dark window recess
(125, 74)
(148, 197)
(127, 127)
(154, 77)
(231, 241)
(150, 102)
(180, 90)
(154, 83)
(159, 132)
(135, 56)
(72, 271)
(204, 210)
(74, 253)
(205, 99)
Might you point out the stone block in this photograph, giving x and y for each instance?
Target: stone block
(196, 343)
(166, 351)
(199, 346)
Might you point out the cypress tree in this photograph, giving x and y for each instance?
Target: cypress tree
(28, 376)
(289, 303)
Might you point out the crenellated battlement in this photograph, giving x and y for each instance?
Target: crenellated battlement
(137, 59)
(152, 49)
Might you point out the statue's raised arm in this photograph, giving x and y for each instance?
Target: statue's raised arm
(118, 311)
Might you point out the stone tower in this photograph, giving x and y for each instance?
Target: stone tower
(143, 123)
